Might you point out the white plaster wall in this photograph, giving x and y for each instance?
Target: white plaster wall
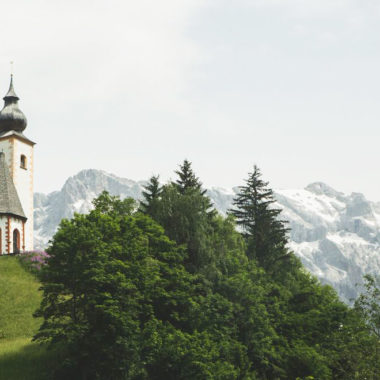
(15, 223)
(3, 226)
(23, 180)
(7, 147)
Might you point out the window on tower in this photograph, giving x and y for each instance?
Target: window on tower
(23, 162)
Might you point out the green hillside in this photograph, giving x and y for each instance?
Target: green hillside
(19, 357)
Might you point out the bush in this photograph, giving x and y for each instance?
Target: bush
(33, 260)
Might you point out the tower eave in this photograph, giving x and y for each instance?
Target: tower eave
(19, 135)
(16, 216)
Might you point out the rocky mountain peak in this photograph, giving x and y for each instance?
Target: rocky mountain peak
(320, 188)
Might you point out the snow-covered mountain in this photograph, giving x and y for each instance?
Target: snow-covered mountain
(337, 236)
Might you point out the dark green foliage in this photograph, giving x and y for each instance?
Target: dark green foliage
(368, 307)
(186, 221)
(353, 355)
(186, 214)
(151, 196)
(189, 184)
(254, 212)
(117, 295)
(113, 205)
(187, 180)
(108, 277)
(194, 299)
(368, 303)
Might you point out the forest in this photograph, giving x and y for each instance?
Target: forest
(169, 289)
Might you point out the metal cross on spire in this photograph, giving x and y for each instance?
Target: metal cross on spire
(11, 68)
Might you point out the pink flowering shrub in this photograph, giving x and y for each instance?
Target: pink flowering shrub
(34, 260)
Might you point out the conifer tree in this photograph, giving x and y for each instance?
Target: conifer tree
(188, 183)
(187, 180)
(186, 213)
(151, 195)
(254, 212)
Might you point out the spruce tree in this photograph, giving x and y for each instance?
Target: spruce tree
(259, 220)
(151, 195)
(187, 180)
(189, 183)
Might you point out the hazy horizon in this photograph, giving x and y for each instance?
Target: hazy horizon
(134, 88)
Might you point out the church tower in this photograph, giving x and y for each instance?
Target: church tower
(16, 178)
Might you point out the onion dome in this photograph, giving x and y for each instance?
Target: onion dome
(11, 117)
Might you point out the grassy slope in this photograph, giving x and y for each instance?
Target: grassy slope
(19, 357)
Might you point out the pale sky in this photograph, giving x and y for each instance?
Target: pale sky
(134, 87)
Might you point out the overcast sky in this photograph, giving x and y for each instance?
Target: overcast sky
(134, 87)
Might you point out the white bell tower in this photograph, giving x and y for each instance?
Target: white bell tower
(16, 194)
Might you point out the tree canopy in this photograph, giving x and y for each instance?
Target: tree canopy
(173, 290)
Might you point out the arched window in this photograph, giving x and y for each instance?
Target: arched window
(23, 162)
(16, 241)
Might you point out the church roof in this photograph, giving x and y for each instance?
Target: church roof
(20, 135)
(11, 117)
(9, 201)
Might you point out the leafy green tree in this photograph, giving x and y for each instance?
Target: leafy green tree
(259, 220)
(109, 276)
(188, 296)
(368, 307)
(117, 298)
(112, 204)
(353, 351)
(85, 298)
(368, 303)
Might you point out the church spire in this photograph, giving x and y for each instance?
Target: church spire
(11, 117)
(11, 94)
